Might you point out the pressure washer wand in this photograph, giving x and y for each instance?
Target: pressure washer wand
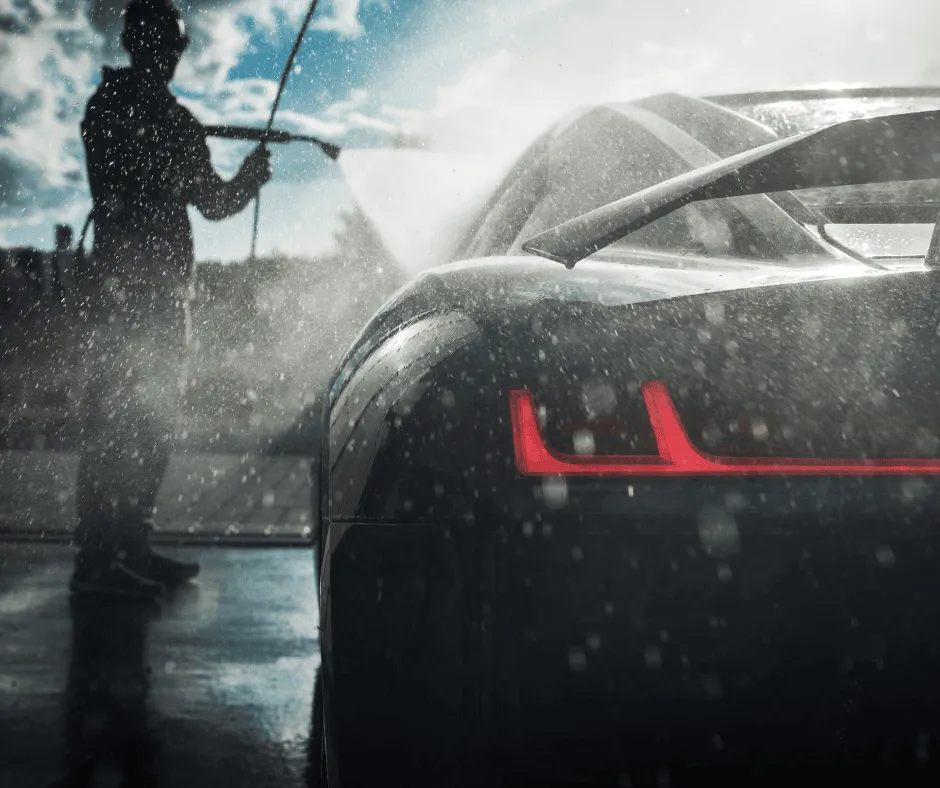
(277, 102)
(270, 135)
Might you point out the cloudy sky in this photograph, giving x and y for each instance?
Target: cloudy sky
(468, 75)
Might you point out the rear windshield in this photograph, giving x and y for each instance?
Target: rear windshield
(888, 203)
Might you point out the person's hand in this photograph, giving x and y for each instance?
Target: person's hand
(256, 169)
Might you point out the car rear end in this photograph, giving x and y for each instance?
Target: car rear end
(558, 591)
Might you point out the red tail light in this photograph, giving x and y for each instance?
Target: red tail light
(677, 456)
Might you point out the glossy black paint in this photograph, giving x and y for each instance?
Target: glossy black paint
(504, 629)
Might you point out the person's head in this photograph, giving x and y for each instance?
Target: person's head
(154, 36)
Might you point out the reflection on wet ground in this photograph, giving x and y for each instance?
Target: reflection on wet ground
(213, 688)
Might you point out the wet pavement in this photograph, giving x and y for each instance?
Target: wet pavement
(213, 689)
(230, 496)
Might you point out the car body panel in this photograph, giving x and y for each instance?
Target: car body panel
(443, 527)
(619, 277)
(485, 625)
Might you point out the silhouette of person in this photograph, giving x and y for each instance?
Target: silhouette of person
(147, 161)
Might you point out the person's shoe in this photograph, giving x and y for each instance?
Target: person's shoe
(159, 568)
(111, 577)
(164, 570)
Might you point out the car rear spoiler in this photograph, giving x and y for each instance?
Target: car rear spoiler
(850, 153)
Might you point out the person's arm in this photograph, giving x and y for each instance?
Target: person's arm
(219, 199)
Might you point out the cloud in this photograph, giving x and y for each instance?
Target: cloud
(507, 16)
(46, 58)
(534, 61)
(50, 51)
(344, 20)
(219, 30)
(218, 40)
(355, 100)
(383, 126)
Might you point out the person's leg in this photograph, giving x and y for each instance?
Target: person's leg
(97, 529)
(137, 357)
(107, 532)
(156, 371)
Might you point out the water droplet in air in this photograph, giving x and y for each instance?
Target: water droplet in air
(577, 660)
(885, 556)
(718, 531)
(555, 491)
(583, 442)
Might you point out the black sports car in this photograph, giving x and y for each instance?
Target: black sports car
(666, 514)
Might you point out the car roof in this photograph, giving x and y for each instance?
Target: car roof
(750, 98)
(736, 101)
(813, 94)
